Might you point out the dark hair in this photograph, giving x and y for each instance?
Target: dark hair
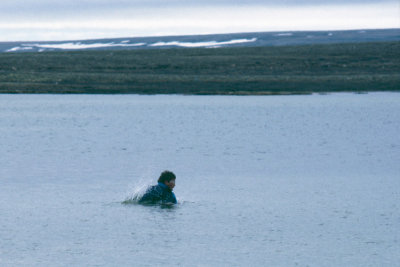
(166, 176)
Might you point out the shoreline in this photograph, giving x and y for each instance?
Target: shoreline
(216, 94)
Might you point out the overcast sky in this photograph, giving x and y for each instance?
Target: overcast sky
(34, 20)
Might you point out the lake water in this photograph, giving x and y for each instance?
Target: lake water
(261, 180)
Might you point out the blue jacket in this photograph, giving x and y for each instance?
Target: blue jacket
(159, 193)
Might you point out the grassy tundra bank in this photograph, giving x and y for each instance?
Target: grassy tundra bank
(248, 70)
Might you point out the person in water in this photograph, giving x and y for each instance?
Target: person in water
(162, 192)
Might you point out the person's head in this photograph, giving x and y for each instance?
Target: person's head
(168, 178)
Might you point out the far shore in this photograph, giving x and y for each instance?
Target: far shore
(307, 69)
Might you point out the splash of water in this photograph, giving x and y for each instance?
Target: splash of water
(138, 191)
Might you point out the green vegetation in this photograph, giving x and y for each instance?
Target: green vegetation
(251, 70)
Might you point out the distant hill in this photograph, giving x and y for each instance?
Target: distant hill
(256, 39)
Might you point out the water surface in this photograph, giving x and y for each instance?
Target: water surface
(261, 180)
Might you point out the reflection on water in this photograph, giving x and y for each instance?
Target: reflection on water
(261, 181)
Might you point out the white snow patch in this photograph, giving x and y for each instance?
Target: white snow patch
(203, 44)
(18, 48)
(79, 45)
(284, 34)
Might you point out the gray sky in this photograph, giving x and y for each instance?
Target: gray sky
(28, 20)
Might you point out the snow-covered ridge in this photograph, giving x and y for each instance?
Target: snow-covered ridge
(259, 39)
(125, 43)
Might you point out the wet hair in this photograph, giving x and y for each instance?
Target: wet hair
(166, 176)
